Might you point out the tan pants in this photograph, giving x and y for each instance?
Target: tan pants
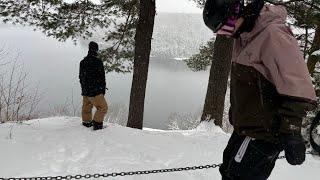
(99, 103)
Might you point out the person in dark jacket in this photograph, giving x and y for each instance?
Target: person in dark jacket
(271, 89)
(93, 86)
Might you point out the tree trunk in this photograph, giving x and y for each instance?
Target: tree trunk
(141, 62)
(218, 79)
(312, 60)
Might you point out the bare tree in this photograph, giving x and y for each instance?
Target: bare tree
(18, 101)
(35, 99)
(184, 121)
(69, 107)
(117, 114)
(75, 107)
(2, 54)
(62, 109)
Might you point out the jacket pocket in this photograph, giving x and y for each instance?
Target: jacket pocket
(258, 156)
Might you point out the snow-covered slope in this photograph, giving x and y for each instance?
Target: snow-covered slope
(179, 35)
(60, 146)
(175, 35)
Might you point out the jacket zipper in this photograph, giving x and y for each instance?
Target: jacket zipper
(262, 103)
(260, 91)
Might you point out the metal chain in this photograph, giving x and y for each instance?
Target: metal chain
(130, 173)
(105, 175)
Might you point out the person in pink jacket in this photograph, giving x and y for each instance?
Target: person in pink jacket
(271, 89)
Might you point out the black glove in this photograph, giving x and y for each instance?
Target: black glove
(294, 148)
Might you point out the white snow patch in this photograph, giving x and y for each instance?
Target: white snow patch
(61, 146)
(209, 127)
(316, 53)
(180, 58)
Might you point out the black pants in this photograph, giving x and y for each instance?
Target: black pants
(257, 160)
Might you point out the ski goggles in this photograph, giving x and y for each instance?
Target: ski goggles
(229, 26)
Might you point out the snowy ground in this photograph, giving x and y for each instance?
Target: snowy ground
(60, 146)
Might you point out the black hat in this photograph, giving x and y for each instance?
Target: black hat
(93, 46)
(217, 12)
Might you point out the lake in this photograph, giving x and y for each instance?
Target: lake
(171, 88)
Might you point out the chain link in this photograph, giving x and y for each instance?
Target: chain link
(131, 173)
(105, 175)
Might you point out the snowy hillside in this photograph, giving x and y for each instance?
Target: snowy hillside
(175, 35)
(60, 146)
(179, 35)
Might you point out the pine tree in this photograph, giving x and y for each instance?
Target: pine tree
(218, 80)
(141, 62)
(219, 54)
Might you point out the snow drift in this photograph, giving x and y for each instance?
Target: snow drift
(60, 146)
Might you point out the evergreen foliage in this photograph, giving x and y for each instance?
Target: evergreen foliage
(80, 19)
(200, 61)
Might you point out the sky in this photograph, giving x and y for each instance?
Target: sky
(178, 6)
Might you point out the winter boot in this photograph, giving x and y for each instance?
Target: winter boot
(97, 125)
(87, 124)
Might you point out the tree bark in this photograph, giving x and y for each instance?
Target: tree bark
(218, 80)
(313, 60)
(143, 39)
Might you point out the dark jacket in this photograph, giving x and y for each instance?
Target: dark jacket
(92, 76)
(271, 89)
